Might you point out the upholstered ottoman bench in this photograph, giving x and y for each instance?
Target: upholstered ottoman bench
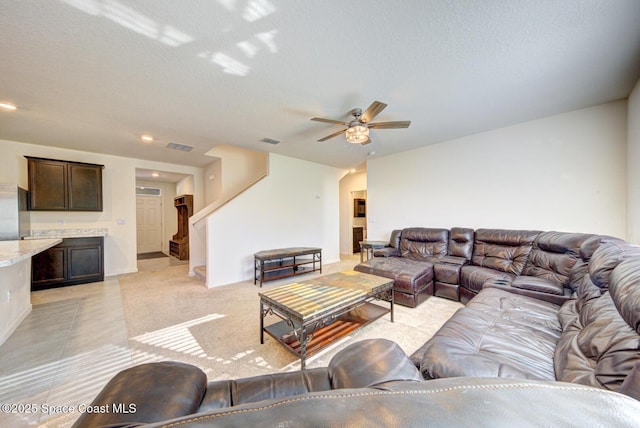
(413, 279)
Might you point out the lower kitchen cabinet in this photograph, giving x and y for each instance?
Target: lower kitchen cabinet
(73, 261)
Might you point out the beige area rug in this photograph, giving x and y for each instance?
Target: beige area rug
(170, 316)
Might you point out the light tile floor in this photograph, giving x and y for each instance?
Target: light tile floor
(73, 341)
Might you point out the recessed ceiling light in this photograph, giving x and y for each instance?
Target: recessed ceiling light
(352, 170)
(371, 153)
(147, 138)
(7, 106)
(155, 174)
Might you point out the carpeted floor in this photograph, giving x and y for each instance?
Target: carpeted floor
(77, 338)
(172, 317)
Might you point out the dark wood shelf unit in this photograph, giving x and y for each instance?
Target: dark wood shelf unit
(57, 185)
(73, 261)
(179, 244)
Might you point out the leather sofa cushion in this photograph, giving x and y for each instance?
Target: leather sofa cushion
(631, 384)
(461, 242)
(599, 347)
(227, 393)
(409, 275)
(369, 363)
(538, 284)
(394, 239)
(420, 243)
(625, 292)
(530, 286)
(453, 260)
(553, 256)
(503, 250)
(170, 390)
(498, 334)
(474, 277)
(607, 257)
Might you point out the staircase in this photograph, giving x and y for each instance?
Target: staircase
(240, 169)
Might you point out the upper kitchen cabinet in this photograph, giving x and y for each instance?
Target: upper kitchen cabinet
(56, 185)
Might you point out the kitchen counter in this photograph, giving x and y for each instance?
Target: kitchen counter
(68, 233)
(12, 252)
(15, 281)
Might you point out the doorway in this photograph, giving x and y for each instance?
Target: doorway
(359, 219)
(149, 223)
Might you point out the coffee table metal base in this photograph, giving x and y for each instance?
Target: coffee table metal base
(316, 338)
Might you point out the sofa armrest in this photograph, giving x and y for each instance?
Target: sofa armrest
(453, 260)
(386, 252)
(534, 283)
(149, 392)
(369, 363)
(531, 288)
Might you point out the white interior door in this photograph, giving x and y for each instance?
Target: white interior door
(149, 223)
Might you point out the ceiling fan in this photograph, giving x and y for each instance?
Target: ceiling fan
(357, 130)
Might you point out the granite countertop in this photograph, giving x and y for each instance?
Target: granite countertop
(67, 233)
(12, 252)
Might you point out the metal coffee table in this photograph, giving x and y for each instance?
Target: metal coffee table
(319, 311)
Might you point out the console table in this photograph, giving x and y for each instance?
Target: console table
(367, 247)
(284, 262)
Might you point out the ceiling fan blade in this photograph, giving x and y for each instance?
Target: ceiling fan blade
(335, 134)
(390, 125)
(372, 111)
(337, 122)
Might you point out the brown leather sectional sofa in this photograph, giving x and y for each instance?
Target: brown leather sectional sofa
(458, 263)
(539, 305)
(370, 383)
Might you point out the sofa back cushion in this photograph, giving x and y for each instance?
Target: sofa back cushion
(394, 239)
(600, 347)
(553, 256)
(420, 243)
(461, 242)
(503, 250)
(607, 257)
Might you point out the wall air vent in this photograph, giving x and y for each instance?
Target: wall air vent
(270, 141)
(180, 147)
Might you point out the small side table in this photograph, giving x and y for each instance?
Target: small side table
(368, 247)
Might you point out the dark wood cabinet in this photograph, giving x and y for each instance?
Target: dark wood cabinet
(358, 235)
(56, 185)
(73, 261)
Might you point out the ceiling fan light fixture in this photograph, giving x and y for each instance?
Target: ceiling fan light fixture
(357, 134)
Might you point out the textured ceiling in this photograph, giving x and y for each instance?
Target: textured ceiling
(94, 75)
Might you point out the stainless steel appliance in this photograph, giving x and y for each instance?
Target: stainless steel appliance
(15, 220)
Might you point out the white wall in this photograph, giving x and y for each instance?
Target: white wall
(212, 174)
(238, 166)
(296, 205)
(633, 166)
(565, 172)
(119, 197)
(350, 183)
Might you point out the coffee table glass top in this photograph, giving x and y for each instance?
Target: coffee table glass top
(320, 295)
